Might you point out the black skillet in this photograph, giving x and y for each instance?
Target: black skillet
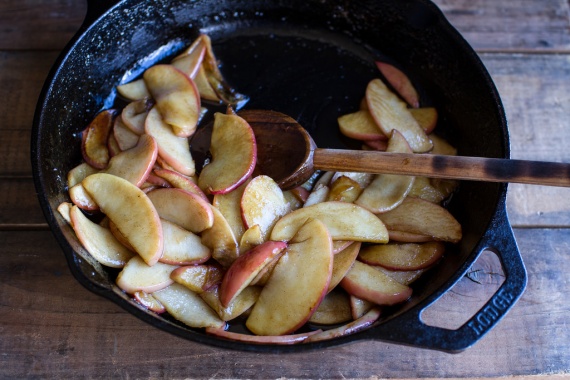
(310, 59)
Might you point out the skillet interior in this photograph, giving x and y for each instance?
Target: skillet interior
(309, 59)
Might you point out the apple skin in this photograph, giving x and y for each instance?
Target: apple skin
(258, 339)
(136, 163)
(350, 328)
(135, 113)
(138, 276)
(244, 269)
(403, 257)
(149, 302)
(400, 82)
(360, 125)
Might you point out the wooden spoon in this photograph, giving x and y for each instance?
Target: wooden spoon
(287, 153)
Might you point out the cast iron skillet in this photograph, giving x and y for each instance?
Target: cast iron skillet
(310, 59)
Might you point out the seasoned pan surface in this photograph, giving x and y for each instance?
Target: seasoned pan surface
(311, 60)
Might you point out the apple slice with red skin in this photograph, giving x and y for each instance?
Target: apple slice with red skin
(400, 82)
(344, 221)
(391, 113)
(359, 307)
(94, 139)
(421, 217)
(180, 181)
(229, 204)
(221, 240)
(132, 212)
(363, 281)
(344, 189)
(99, 241)
(342, 263)
(126, 139)
(408, 237)
(139, 276)
(360, 125)
(234, 154)
(149, 302)
(134, 90)
(198, 278)
(403, 277)
(258, 339)
(387, 191)
(297, 284)
(250, 238)
(301, 193)
(188, 308)
(82, 199)
(182, 247)
(135, 113)
(350, 328)
(403, 257)
(363, 179)
(318, 195)
(239, 305)
(177, 98)
(135, 164)
(379, 145)
(262, 204)
(183, 208)
(174, 150)
(426, 118)
(78, 174)
(340, 245)
(190, 60)
(244, 269)
(334, 309)
(64, 208)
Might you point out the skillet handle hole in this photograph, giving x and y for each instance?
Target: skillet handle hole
(468, 295)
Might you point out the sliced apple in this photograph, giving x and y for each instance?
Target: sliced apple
(441, 146)
(363, 179)
(190, 60)
(391, 113)
(350, 328)
(149, 302)
(94, 139)
(185, 209)
(221, 240)
(174, 150)
(126, 139)
(99, 241)
(345, 221)
(387, 191)
(198, 278)
(318, 195)
(139, 276)
(204, 87)
(182, 247)
(426, 118)
(177, 98)
(188, 308)
(239, 305)
(380, 145)
(360, 125)
(135, 90)
(404, 257)
(131, 210)
(234, 154)
(363, 281)
(421, 217)
(297, 285)
(342, 263)
(344, 189)
(180, 181)
(400, 82)
(334, 309)
(64, 208)
(359, 307)
(402, 276)
(244, 269)
(113, 145)
(422, 188)
(257, 339)
(78, 173)
(263, 203)
(135, 113)
(82, 199)
(229, 204)
(135, 164)
(251, 238)
(408, 237)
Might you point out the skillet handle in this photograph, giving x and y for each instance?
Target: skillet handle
(410, 329)
(95, 9)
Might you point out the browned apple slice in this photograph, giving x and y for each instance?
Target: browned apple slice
(318, 195)
(426, 118)
(149, 302)
(340, 245)
(342, 263)
(360, 125)
(250, 238)
(132, 212)
(422, 188)
(198, 278)
(391, 113)
(82, 199)
(441, 146)
(387, 191)
(139, 276)
(292, 202)
(174, 150)
(180, 181)
(229, 204)
(185, 209)
(135, 90)
(221, 240)
(404, 277)
(78, 173)
(176, 96)
(344, 189)
(359, 307)
(262, 204)
(280, 339)
(380, 145)
(363, 281)
(64, 208)
(134, 115)
(300, 193)
(404, 257)
(350, 328)
(234, 154)
(187, 307)
(421, 217)
(363, 179)
(244, 269)
(400, 82)
(344, 221)
(408, 237)
(135, 164)
(190, 60)
(182, 247)
(126, 139)
(98, 241)
(94, 139)
(204, 87)
(297, 284)
(113, 145)
(239, 305)
(334, 309)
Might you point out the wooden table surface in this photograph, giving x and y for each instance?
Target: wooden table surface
(50, 326)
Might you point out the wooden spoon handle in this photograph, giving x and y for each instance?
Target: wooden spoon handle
(449, 167)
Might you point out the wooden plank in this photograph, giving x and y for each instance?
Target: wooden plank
(521, 25)
(15, 153)
(52, 326)
(39, 24)
(19, 204)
